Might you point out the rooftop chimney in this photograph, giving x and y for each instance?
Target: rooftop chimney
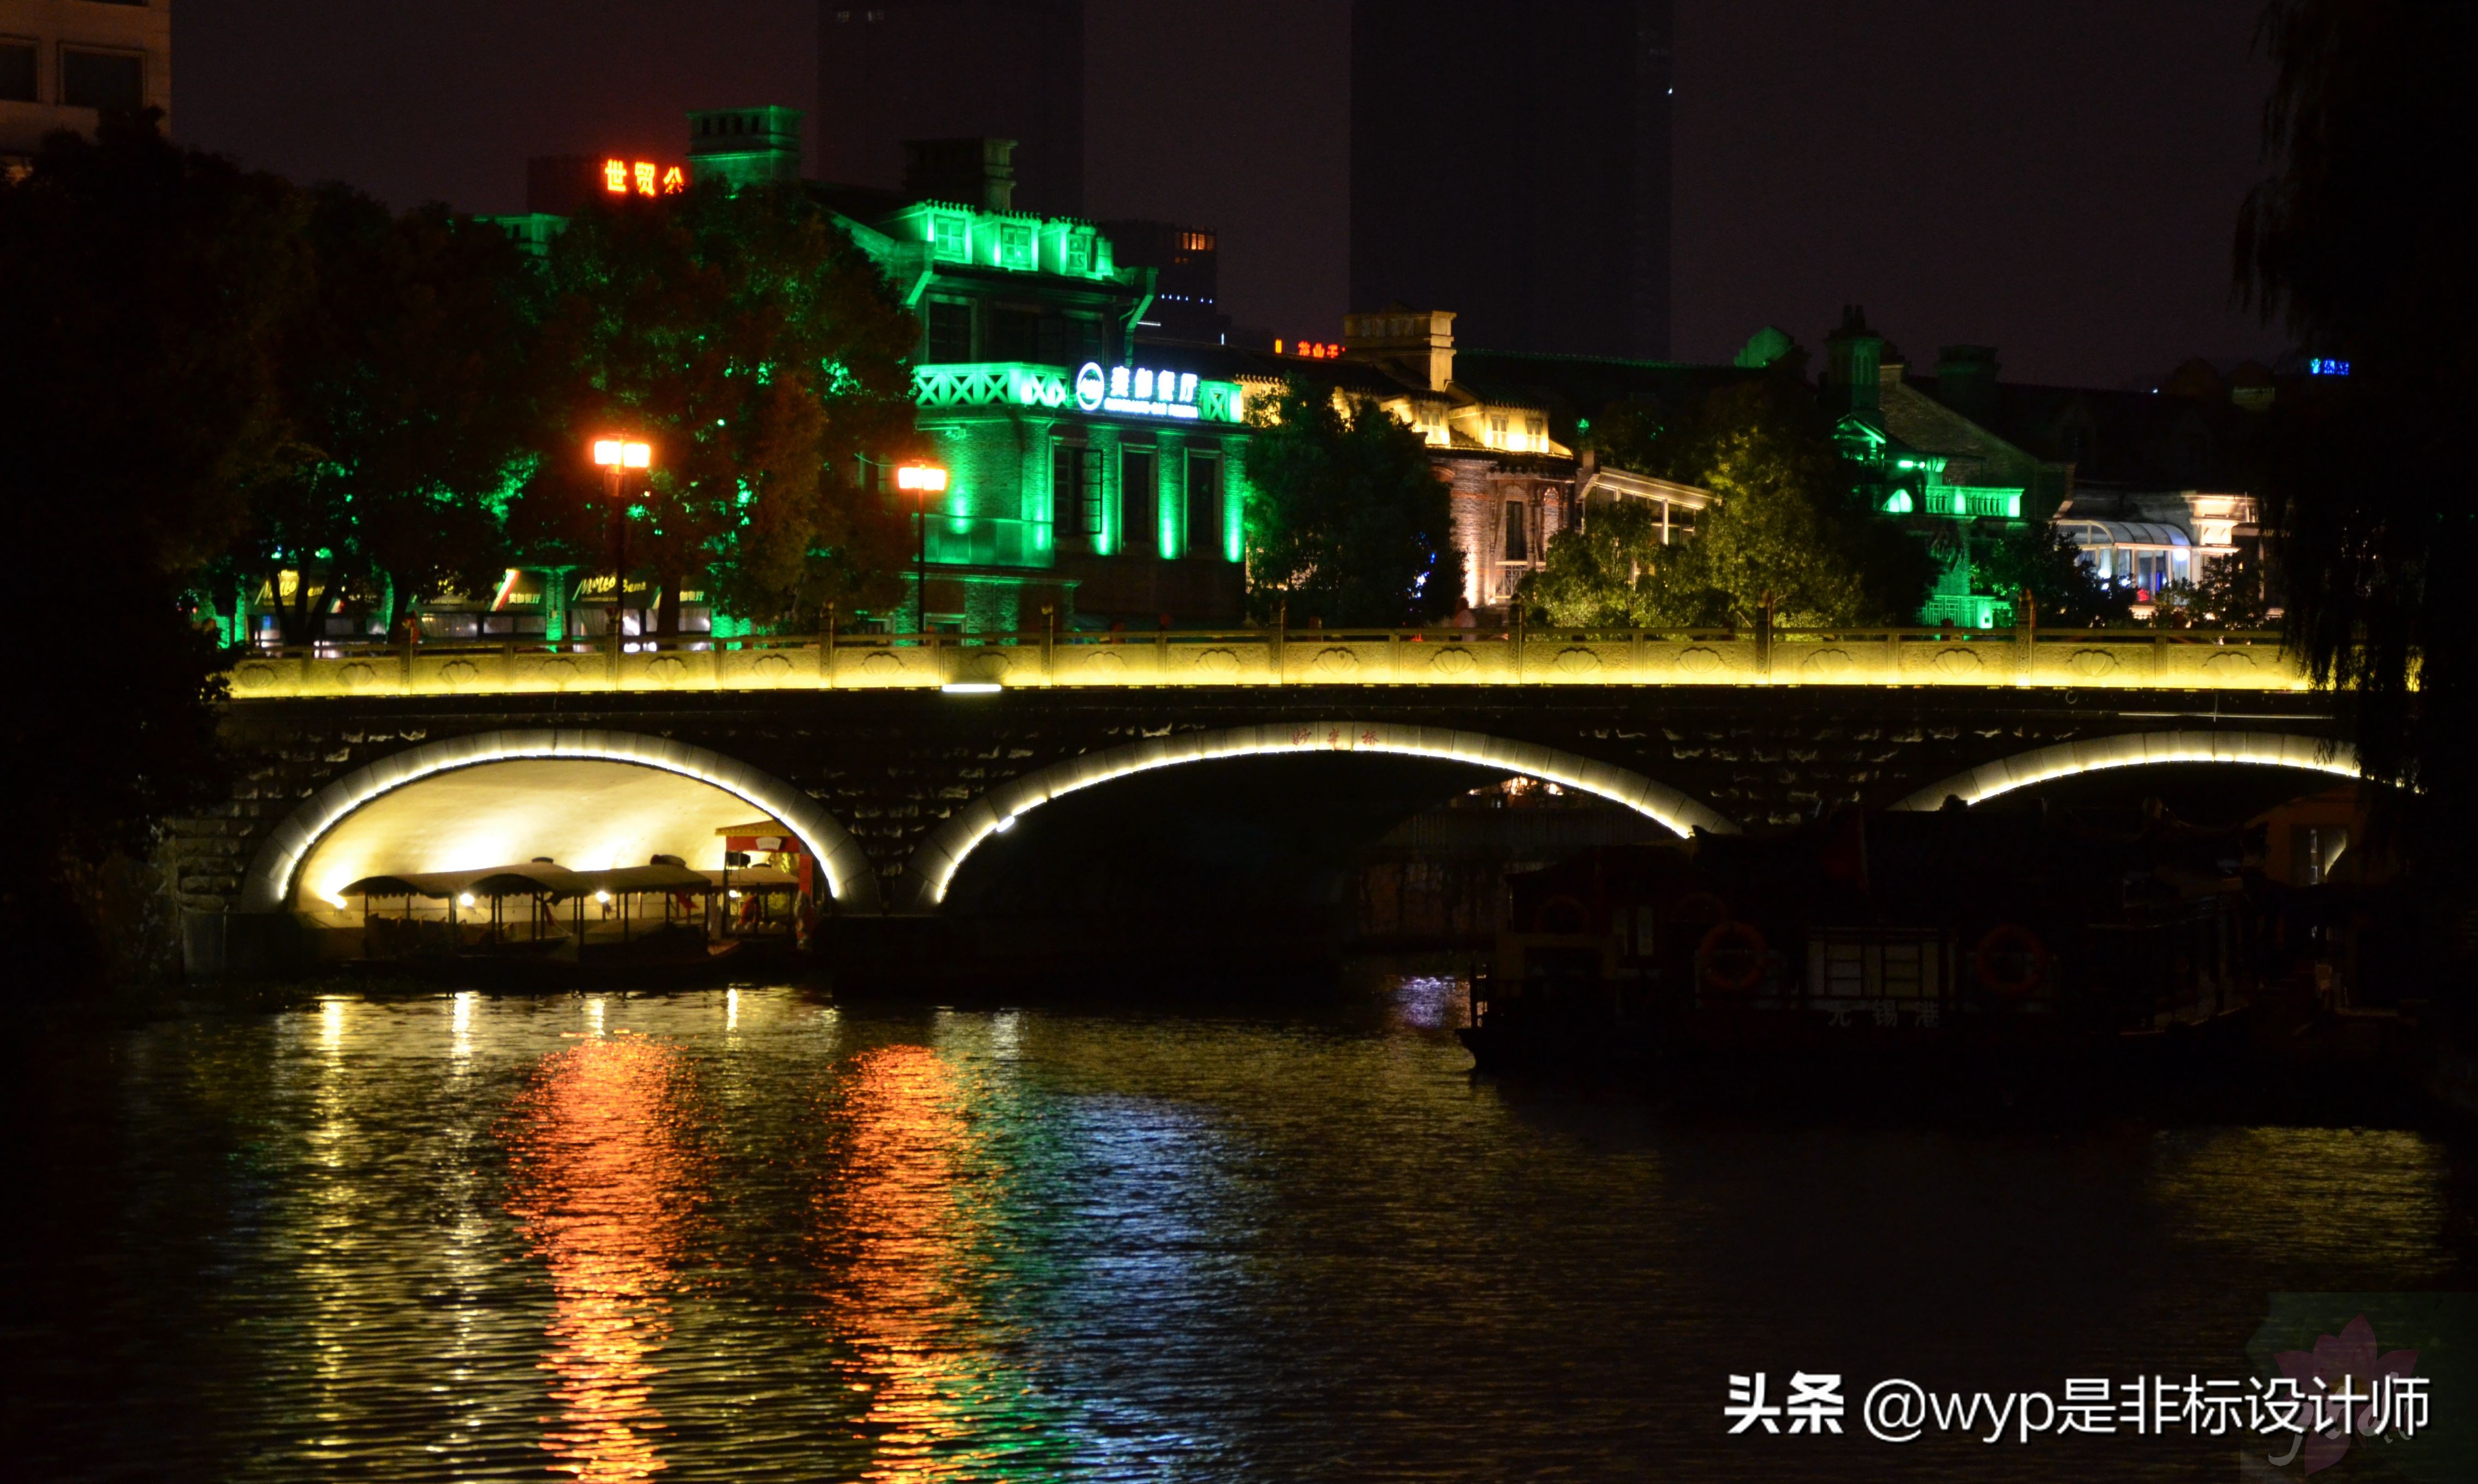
(1415, 344)
(1967, 380)
(1851, 358)
(978, 171)
(749, 147)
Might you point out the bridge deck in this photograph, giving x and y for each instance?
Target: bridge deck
(2061, 659)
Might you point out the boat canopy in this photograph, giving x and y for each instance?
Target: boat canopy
(754, 878)
(532, 878)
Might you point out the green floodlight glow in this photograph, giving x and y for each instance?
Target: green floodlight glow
(1899, 503)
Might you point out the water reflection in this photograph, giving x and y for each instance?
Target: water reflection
(898, 1216)
(747, 1236)
(599, 1176)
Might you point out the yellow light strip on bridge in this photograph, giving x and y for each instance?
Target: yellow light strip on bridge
(2098, 659)
(2133, 750)
(935, 861)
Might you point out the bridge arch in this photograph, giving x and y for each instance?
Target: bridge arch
(2132, 749)
(935, 861)
(268, 885)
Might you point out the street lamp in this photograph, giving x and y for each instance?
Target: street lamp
(617, 456)
(923, 480)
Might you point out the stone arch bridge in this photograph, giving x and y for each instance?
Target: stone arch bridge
(896, 760)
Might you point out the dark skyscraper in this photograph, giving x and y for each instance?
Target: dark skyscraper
(892, 70)
(1510, 162)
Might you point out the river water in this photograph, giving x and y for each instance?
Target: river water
(758, 1235)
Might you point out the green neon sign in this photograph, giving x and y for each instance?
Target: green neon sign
(1091, 389)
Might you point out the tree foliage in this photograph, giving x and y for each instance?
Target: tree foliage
(762, 354)
(1786, 530)
(1348, 523)
(408, 386)
(2230, 594)
(1605, 573)
(2361, 240)
(2037, 557)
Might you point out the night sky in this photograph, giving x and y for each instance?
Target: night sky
(2056, 178)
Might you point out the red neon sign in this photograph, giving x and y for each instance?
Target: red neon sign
(644, 177)
(1309, 350)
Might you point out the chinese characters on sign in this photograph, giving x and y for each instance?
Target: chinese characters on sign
(1137, 389)
(2283, 1407)
(643, 177)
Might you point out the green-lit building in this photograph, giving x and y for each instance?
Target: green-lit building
(1954, 483)
(1102, 484)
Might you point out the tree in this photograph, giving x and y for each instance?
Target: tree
(1605, 573)
(1348, 523)
(407, 377)
(763, 356)
(2037, 557)
(2360, 242)
(1786, 530)
(2228, 595)
(140, 408)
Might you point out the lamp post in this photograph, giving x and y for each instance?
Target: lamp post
(923, 480)
(617, 456)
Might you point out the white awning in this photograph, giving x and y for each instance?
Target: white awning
(2124, 533)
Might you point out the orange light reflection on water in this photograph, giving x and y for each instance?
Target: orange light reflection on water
(600, 1178)
(899, 1208)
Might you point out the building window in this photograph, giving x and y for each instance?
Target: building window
(102, 80)
(1140, 498)
(1203, 528)
(1518, 533)
(1015, 335)
(951, 236)
(950, 333)
(1497, 432)
(1537, 430)
(1084, 339)
(17, 72)
(1075, 492)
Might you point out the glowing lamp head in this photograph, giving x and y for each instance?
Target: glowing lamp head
(464, 899)
(920, 478)
(622, 453)
(602, 897)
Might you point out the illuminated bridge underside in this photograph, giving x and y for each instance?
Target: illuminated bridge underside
(276, 866)
(2135, 750)
(2101, 660)
(933, 864)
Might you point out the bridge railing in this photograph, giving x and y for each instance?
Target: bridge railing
(2194, 659)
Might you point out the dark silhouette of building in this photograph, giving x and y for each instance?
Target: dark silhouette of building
(1186, 279)
(896, 71)
(1510, 162)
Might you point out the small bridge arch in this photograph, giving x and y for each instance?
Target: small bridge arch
(934, 862)
(2134, 749)
(273, 870)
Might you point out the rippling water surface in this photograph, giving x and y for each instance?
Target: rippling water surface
(752, 1234)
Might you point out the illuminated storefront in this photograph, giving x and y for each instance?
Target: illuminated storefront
(1105, 483)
